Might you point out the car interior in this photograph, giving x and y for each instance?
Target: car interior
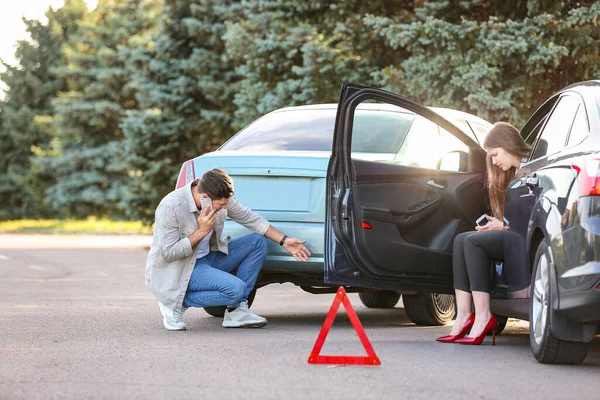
(409, 215)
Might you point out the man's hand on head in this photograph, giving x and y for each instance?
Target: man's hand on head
(297, 249)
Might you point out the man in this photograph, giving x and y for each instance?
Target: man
(190, 264)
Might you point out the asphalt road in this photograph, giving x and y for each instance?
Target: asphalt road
(76, 322)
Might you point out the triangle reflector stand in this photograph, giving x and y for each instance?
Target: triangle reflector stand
(316, 358)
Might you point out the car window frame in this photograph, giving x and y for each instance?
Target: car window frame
(545, 120)
(587, 121)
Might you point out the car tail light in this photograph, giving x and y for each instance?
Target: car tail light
(588, 175)
(186, 174)
(365, 225)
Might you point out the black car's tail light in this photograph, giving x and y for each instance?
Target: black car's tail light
(186, 174)
(588, 175)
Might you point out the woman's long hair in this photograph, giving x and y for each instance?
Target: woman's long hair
(509, 138)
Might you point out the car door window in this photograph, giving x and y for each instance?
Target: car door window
(420, 147)
(530, 136)
(580, 128)
(429, 146)
(480, 131)
(556, 130)
(378, 130)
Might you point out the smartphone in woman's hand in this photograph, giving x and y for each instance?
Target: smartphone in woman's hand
(482, 221)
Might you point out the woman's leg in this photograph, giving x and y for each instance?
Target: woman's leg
(461, 284)
(482, 312)
(463, 310)
(479, 250)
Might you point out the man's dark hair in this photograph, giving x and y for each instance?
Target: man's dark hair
(216, 184)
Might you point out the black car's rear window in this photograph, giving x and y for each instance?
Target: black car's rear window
(312, 130)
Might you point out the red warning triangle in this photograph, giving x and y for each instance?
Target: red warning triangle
(316, 358)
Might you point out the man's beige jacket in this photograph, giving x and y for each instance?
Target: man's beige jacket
(171, 259)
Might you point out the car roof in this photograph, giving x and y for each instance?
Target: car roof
(588, 90)
(584, 84)
(447, 113)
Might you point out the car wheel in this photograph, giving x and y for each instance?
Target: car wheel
(380, 299)
(219, 311)
(430, 308)
(545, 347)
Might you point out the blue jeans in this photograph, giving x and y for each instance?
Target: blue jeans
(212, 283)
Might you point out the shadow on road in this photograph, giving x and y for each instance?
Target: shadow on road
(375, 318)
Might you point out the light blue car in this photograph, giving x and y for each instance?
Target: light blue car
(279, 163)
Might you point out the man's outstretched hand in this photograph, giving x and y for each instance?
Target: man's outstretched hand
(296, 248)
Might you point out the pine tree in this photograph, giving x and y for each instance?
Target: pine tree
(25, 134)
(90, 165)
(498, 60)
(301, 51)
(185, 90)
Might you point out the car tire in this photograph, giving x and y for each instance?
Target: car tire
(430, 309)
(546, 348)
(379, 299)
(219, 311)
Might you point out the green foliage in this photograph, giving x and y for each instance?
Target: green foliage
(300, 52)
(185, 91)
(24, 132)
(495, 67)
(104, 107)
(89, 225)
(90, 166)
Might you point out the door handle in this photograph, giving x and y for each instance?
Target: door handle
(438, 185)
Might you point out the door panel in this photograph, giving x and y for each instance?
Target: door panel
(412, 221)
(391, 225)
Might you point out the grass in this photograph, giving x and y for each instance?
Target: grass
(69, 226)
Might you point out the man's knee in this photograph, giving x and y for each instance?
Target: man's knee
(261, 243)
(236, 291)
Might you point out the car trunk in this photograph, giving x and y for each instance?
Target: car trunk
(286, 186)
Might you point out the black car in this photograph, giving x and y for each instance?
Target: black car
(391, 226)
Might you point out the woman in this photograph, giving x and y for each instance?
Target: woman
(473, 251)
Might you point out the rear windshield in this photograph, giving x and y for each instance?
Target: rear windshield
(312, 130)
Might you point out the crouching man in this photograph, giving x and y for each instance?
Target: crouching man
(190, 264)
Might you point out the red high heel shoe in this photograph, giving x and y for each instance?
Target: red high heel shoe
(491, 325)
(452, 338)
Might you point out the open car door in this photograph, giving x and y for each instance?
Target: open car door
(391, 220)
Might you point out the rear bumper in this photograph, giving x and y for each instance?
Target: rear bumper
(581, 306)
(278, 259)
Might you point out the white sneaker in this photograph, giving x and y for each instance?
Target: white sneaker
(242, 317)
(172, 320)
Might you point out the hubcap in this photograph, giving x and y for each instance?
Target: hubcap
(443, 303)
(540, 299)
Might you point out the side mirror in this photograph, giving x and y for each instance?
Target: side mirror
(456, 160)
